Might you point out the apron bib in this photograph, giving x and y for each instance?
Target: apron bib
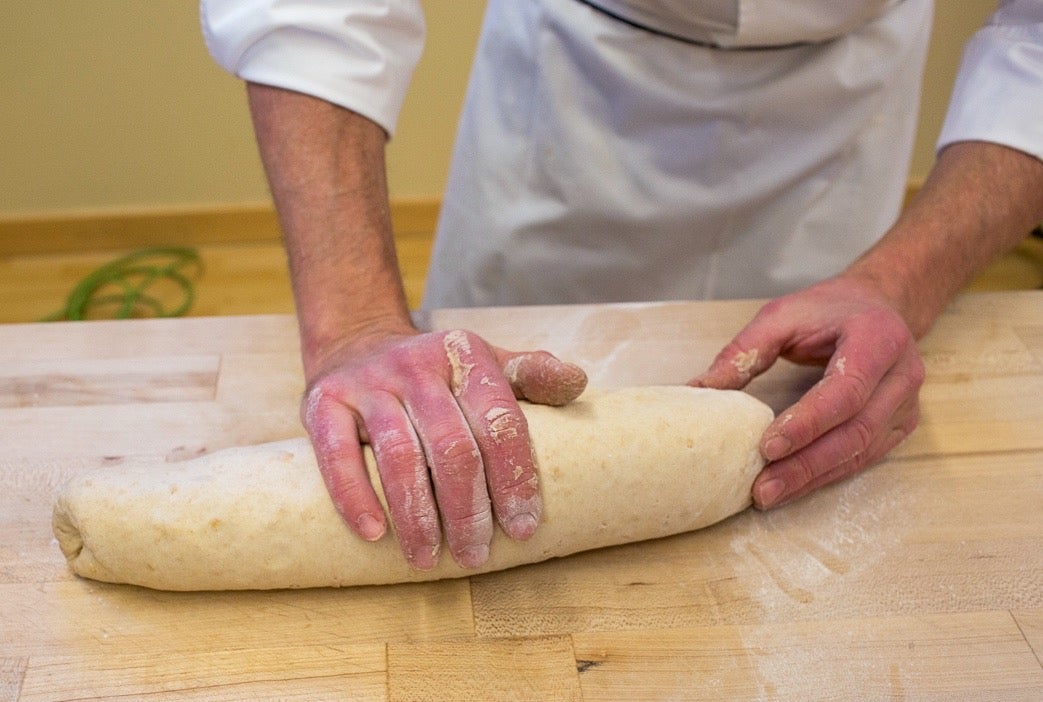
(600, 162)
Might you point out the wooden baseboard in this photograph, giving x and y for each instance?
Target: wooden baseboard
(69, 232)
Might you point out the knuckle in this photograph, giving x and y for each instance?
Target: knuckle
(854, 391)
(802, 471)
(315, 404)
(387, 371)
(503, 424)
(347, 492)
(516, 475)
(732, 349)
(772, 308)
(915, 374)
(738, 362)
(517, 490)
(461, 355)
(454, 453)
(861, 435)
(397, 448)
(470, 525)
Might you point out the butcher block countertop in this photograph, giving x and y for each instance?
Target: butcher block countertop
(919, 579)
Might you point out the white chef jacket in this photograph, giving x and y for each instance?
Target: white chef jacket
(656, 149)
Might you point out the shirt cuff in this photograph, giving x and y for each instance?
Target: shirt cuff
(360, 56)
(998, 95)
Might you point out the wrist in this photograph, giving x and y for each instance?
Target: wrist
(897, 282)
(328, 340)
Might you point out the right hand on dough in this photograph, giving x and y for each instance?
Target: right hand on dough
(440, 413)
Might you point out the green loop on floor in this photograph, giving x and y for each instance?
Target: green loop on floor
(128, 286)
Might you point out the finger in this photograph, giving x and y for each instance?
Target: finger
(542, 378)
(845, 450)
(753, 350)
(407, 484)
(852, 378)
(457, 475)
(334, 435)
(502, 436)
(763, 492)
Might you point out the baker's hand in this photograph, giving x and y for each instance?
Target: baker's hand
(452, 448)
(865, 404)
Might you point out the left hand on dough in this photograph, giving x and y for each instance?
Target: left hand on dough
(866, 403)
(450, 442)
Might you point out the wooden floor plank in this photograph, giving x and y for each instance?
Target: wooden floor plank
(240, 278)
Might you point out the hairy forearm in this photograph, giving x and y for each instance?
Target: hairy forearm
(980, 200)
(325, 167)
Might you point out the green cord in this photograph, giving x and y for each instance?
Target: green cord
(132, 275)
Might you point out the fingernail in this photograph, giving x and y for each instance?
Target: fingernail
(522, 526)
(425, 560)
(777, 447)
(370, 527)
(473, 556)
(770, 492)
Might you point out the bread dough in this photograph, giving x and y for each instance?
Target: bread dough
(616, 466)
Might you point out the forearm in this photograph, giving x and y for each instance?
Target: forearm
(980, 200)
(325, 167)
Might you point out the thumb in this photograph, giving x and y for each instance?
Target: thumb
(542, 378)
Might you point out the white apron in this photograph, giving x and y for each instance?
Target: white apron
(760, 148)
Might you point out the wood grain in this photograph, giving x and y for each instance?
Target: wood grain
(923, 657)
(233, 674)
(239, 277)
(33, 234)
(527, 670)
(108, 381)
(887, 541)
(1030, 622)
(919, 579)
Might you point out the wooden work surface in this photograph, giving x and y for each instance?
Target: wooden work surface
(920, 579)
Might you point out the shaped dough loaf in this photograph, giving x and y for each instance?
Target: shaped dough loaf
(616, 466)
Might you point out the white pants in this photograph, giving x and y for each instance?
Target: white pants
(599, 162)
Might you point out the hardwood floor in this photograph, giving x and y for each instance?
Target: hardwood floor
(252, 278)
(235, 278)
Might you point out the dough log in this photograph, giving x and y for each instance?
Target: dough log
(616, 466)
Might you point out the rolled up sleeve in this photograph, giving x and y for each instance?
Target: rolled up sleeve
(359, 55)
(998, 95)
